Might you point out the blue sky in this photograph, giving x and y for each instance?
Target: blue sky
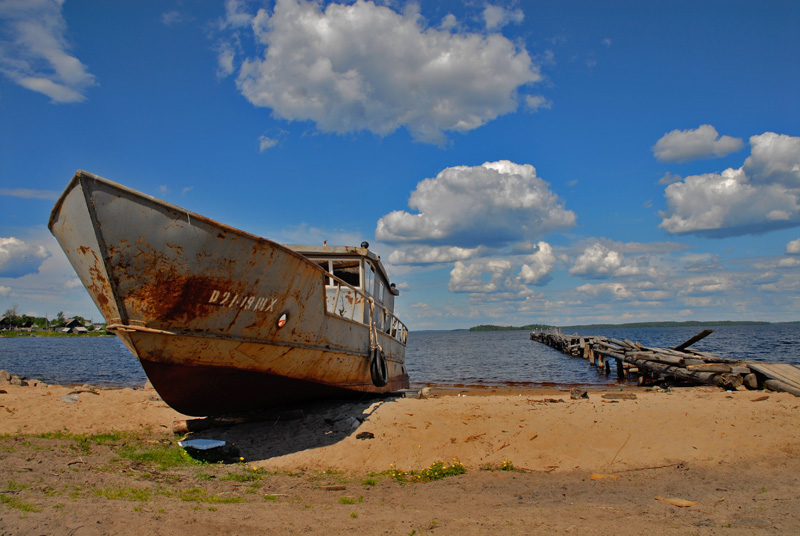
(512, 162)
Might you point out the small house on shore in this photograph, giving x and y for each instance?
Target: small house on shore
(73, 325)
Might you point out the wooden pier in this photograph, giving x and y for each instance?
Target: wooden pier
(679, 363)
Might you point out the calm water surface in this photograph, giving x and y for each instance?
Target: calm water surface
(433, 357)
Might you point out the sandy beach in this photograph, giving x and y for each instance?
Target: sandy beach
(682, 461)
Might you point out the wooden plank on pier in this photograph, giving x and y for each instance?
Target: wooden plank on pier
(699, 336)
(787, 374)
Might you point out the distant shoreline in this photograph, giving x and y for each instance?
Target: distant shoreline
(14, 334)
(634, 325)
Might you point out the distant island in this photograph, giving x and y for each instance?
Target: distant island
(687, 323)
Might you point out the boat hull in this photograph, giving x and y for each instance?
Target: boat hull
(222, 321)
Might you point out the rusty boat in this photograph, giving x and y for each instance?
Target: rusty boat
(223, 321)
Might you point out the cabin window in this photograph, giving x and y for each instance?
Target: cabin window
(369, 277)
(325, 265)
(348, 271)
(380, 291)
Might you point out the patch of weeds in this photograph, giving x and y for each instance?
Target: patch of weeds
(328, 475)
(48, 491)
(204, 477)
(435, 471)
(354, 515)
(369, 481)
(507, 465)
(13, 502)
(351, 500)
(16, 486)
(83, 442)
(120, 493)
(247, 474)
(112, 437)
(200, 496)
(270, 497)
(164, 456)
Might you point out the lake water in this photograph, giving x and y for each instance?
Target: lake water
(432, 357)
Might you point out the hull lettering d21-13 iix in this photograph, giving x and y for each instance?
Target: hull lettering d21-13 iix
(224, 321)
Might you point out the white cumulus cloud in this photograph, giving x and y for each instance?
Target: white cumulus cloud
(538, 265)
(362, 66)
(702, 142)
(34, 51)
(482, 276)
(793, 247)
(430, 255)
(597, 261)
(775, 158)
(494, 204)
(18, 258)
(709, 284)
(761, 196)
(617, 291)
(495, 17)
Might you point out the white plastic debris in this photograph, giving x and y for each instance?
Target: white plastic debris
(201, 444)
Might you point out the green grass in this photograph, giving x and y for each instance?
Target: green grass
(435, 471)
(246, 474)
(163, 456)
(13, 502)
(83, 442)
(351, 500)
(200, 496)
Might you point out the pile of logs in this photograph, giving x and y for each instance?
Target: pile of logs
(652, 364)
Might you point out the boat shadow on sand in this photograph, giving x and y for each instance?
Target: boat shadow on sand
(271, 434)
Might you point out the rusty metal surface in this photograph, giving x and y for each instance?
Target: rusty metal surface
(191, 294)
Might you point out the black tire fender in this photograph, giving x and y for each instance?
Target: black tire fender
(378, 368)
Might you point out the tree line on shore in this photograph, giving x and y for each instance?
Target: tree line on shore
(634, 325)
(12, 320)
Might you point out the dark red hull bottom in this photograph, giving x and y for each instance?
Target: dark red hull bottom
(202, 391)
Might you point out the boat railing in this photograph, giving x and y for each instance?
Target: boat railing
(383, 319)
